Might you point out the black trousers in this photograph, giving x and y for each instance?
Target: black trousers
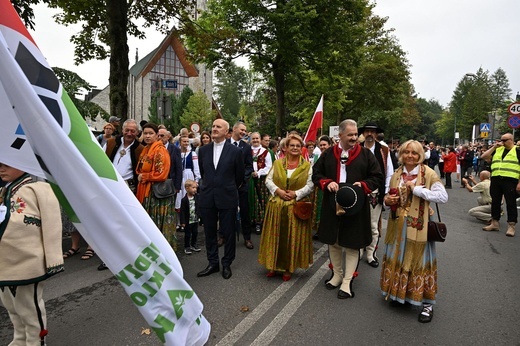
(226, 221)
(506, 187)
(448, 179)
(245, 221)
(190, 234)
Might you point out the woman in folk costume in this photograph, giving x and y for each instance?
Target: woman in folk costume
(286, 242)
(154, 167)
(409, 272)
(258, 192)
(30, 251)
(190, 167)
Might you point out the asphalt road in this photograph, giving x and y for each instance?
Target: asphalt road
(478, 278)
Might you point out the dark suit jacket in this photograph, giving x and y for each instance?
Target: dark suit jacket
(185, 209)
(219, 187)
(175, 166)
(248, 162)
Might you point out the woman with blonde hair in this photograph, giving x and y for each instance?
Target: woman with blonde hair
(409, 270)
(286, 242)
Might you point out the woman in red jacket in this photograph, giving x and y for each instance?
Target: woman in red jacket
(450, 165)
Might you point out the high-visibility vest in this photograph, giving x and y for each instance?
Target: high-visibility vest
(506, 167)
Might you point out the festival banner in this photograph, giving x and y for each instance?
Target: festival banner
(44, 134)
(316, 123)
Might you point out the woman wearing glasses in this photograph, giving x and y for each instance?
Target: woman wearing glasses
(154, 167)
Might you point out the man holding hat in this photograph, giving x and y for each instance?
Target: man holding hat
(346, 173)
(382, 155)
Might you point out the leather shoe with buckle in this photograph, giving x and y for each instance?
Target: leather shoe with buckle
(345, 295)
(374, 263)
(226, 272)
(249, 244)
(208, 271)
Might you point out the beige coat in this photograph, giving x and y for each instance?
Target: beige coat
(31, 234)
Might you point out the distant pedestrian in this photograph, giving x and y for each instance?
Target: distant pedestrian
(505, 172)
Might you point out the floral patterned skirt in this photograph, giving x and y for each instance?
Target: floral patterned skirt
(416, 285)
(162, 212)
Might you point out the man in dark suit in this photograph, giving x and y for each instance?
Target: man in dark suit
(222, 169)
(175, 158)
(239, 131)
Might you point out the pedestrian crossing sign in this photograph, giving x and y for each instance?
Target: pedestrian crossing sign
(485, 127)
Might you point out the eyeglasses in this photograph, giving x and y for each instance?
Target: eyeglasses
(504, 140)
(294, 146)
(160, 135)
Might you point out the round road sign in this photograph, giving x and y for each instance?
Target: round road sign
(514, 108)
(513, 121)
(195, 127)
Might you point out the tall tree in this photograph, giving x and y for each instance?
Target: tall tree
(105, 26)
(75, 86)
(281, 38)
(198, 110)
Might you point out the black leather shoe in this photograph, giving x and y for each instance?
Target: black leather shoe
(249, 244)
(345, 295)
(220, 241)
(330, 286)
(374, 263)
(426, 315)
(102, 266)
(208, 271)
(226, 272)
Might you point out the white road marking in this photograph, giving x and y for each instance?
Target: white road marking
(241, 329)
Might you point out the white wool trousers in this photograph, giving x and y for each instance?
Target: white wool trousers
(26, 310)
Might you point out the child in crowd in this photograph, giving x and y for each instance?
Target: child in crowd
(30, 251)
(189, 218)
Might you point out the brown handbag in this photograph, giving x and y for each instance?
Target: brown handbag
(303, 210)
(437, 231)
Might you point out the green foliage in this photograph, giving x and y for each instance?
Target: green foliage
(75, 85)
(480, 98)
(25, 11)
(178, 106)
(198, 110)
(105, 26)
(281, 41)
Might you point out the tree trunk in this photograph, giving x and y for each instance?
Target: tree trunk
(279, 82)
(117, 14)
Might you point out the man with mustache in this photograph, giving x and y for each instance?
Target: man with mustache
(345, 162)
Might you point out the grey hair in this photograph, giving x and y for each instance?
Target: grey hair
(129, 121)
(347, 122)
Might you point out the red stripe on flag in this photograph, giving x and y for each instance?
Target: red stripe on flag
(10, 19)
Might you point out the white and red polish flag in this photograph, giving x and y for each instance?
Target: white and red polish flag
(42, 133)
(316, 123)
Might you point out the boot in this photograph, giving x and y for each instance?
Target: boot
(511, 229)
(492, 227)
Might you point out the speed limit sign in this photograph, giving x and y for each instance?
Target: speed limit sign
(514, 108)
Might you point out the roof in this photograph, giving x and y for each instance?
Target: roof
(146, 64)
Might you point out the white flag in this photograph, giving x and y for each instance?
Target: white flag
(42, 128)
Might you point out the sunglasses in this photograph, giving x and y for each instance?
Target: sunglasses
(504, 140)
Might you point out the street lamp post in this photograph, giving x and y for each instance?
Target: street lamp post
(472, 75)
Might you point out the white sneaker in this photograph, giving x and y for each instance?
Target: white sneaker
(187, 251)
(195, 248)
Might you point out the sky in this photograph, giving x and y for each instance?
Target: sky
(443, 39)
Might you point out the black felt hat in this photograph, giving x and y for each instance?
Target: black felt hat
(351, 198)
(370, 126)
